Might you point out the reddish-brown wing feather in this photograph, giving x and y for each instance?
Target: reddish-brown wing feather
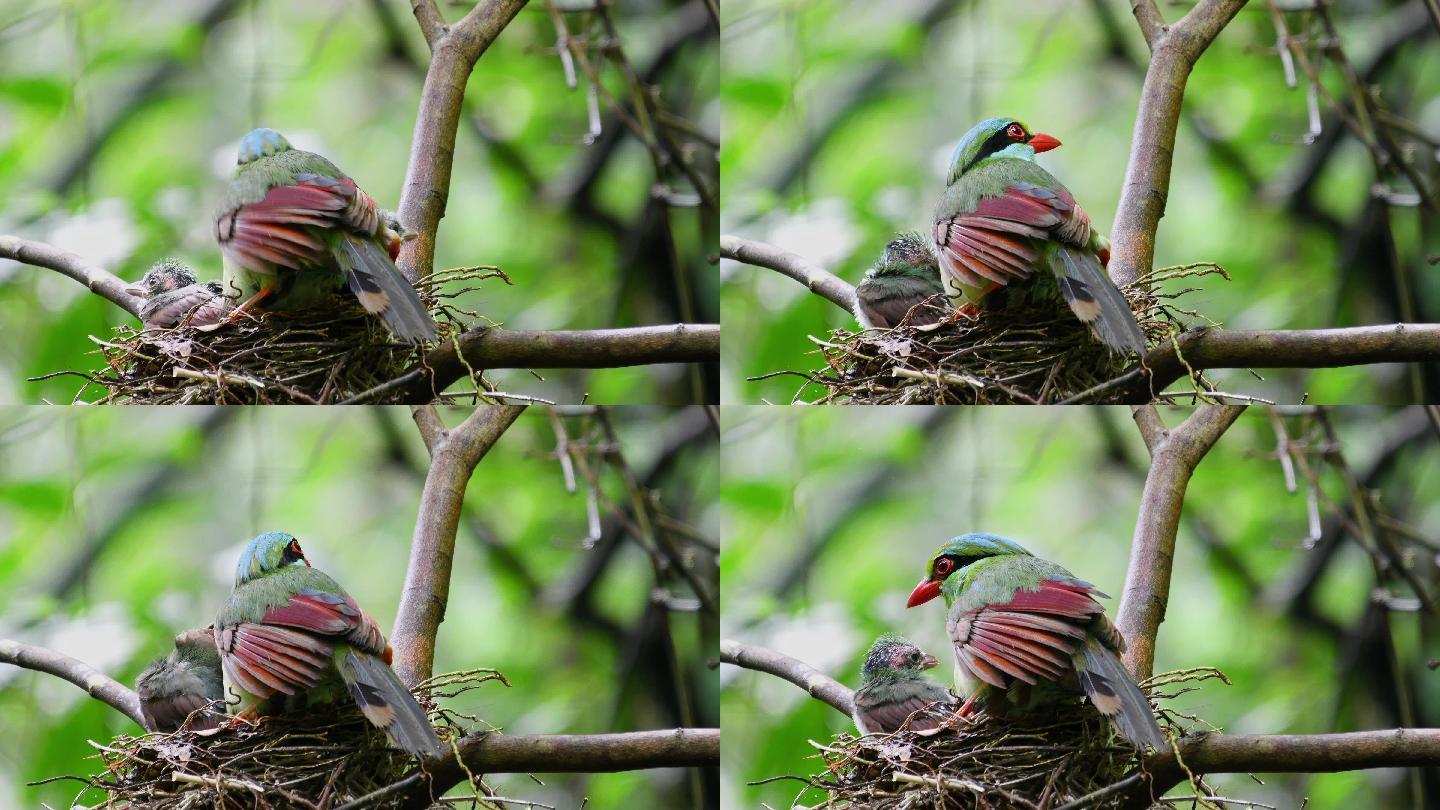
(278, 230)
(292, 646)
(992, 245)
(1030, 638)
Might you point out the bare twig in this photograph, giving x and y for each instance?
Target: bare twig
(99, 280)
(427, 580)
(1147, 582)
(99, 685)
(1288, 753)
(488, 348)
(560, 753)
(819, 280)
(762, 659)
(1278, 348)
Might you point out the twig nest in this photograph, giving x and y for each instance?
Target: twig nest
(314, 356)
(1013, 763)
(1030, 356)
(319, 759)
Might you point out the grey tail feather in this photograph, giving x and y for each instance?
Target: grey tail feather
(1106, 682)
(377, 690)
(381, 289)
(1095, 299)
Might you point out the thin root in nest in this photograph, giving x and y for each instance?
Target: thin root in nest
(318, 356)
(321, 759)
(1004, 357)
(990, 763)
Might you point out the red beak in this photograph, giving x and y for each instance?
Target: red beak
(924, 592)
(1041, 142)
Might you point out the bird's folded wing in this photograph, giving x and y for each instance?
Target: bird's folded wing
(329, 614)
(889, 715)
(992, 244)
(263, 659)
(1030, 638)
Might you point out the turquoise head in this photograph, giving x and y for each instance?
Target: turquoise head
(262, 142)
(956, 557)
(267, 554)
(996, 137)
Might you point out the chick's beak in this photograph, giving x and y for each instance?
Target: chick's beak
(1041, 142)
(136, 290)
(924, 592)
(928, 662)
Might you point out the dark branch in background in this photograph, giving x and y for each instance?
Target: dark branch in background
(99, 685)
(133, 502)
(129, 103)
(820, 281)
(432, 151)
(817, 684)
(850, 498)
(1174, 455)
(843, 103)
(491, 348)
(1210, 348)
(454, 454)
(99, 280)
(1173, 52)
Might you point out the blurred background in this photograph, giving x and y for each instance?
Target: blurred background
(119, 123)
(119, 528)
(831, 516)
(841, 117)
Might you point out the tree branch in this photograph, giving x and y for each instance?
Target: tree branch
(561, 753)
(1173, 52)
(427, 579)
(432, 150)
(1174, 457)
(819, 280)
(1288, 753)
(99, 685)
(762, 659)
(488, 348)
(99, 280)
(1278, 348)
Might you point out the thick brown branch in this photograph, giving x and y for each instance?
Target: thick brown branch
(587, 348)
(762, 659)
(1290, 753)
(819, 280)
(432, 149)
(1174, 51)
(571, 753)
(1278, 348)
(100, 686)
(100, 281)
(453, 457)
(1174, 457)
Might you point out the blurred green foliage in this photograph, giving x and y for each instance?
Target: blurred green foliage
(571, 224)
(121, 527)
(831, 515)
(841, 116)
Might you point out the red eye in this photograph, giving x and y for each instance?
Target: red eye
(944, 566)
(1016, 132)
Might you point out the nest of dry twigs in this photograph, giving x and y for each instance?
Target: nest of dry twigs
(1003, 358)
(995, 764)
(316, 760)
(319, 356)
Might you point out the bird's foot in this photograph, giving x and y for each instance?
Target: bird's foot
(248, 720)
(965, 313)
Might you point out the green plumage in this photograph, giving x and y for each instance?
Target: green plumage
(902, 278)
